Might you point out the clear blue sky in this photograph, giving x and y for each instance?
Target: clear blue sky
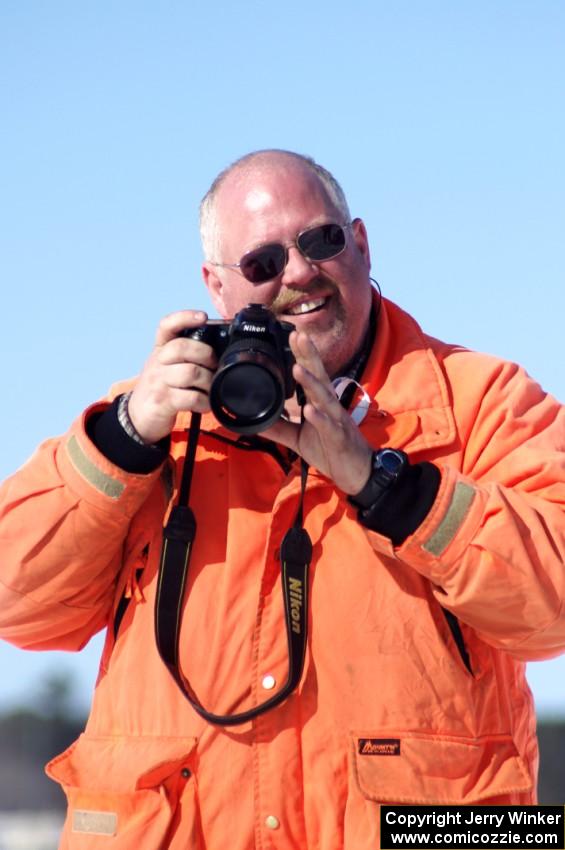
(444, 122)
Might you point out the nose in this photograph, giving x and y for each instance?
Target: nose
(298, 271)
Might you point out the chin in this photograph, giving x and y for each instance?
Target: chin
(336, 351)
(334, 362)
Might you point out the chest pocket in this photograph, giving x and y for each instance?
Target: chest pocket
(123, 792)
(427, 769)
(410, 768)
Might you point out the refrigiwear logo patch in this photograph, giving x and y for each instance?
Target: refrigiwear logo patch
(379, 746)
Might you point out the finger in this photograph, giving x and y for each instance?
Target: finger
(341, 441)
(189, 376)
(307, 355)
(181, 350)
(331, 431)
(190, 400)
(346, 453)
(170, 326)
(319, 393)
(284, 432)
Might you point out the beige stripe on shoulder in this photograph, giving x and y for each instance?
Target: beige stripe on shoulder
(458, 509)
(103, 482)
(95, 823)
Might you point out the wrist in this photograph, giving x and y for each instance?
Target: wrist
(115, 443)
(360, 480)
(125, 420)
(147, 433)
(404, 505)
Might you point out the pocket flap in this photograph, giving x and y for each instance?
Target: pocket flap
(408, 767)
(120, 764)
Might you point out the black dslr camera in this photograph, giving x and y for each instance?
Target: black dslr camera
(254, 375)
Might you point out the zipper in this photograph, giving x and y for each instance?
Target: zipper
(131, 591)
(457, 635)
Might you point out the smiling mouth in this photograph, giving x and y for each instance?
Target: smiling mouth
(307, 307)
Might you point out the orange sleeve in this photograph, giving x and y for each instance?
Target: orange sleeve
(64, 517)
(493, 544)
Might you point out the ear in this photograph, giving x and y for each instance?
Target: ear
(215, 288)
(361, 240)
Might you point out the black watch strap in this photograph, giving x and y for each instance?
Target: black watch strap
(387, 467)
(401, 507)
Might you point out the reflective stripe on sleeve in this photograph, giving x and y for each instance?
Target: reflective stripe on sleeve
(104, 483)
(461, 501)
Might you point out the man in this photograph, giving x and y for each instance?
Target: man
(436, 564)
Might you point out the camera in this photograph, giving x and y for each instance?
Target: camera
(254, 375)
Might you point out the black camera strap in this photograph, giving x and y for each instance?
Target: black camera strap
(178, 538)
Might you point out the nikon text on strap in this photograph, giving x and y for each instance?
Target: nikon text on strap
(178, 537)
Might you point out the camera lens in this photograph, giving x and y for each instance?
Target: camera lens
(247, 393)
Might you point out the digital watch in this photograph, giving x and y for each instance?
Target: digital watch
(388, 466)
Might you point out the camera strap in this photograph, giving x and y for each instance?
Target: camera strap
(178, 538)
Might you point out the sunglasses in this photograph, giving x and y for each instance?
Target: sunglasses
(317, 244)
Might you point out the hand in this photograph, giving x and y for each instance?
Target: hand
(177, 376)
(328, 439)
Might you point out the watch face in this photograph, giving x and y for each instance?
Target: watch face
(391, 461)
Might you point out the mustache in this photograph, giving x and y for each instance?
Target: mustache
(321, 285)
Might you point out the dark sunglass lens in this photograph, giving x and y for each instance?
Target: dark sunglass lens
(323, 242)
(263, 264)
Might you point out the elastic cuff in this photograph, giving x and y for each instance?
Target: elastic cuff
(405, 506)
(107, 434)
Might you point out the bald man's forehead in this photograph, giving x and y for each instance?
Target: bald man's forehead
(257, 199)
(258, 186)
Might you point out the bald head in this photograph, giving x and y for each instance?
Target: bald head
(255, 166)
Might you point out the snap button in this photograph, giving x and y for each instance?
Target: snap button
(269, 682)
(271, 822)
(185, 773)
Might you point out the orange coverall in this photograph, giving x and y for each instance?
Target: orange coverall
(396, 705)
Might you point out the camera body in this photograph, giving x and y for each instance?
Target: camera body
(254, 374)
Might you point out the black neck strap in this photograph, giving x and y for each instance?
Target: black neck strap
(178, 538)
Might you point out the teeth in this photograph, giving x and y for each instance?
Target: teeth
(306, 307)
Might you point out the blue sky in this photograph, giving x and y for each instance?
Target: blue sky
(443, 121)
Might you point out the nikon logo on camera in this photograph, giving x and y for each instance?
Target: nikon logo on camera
(253, 329)
(296, 601)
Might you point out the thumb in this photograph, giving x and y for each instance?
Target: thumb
(283, 432)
